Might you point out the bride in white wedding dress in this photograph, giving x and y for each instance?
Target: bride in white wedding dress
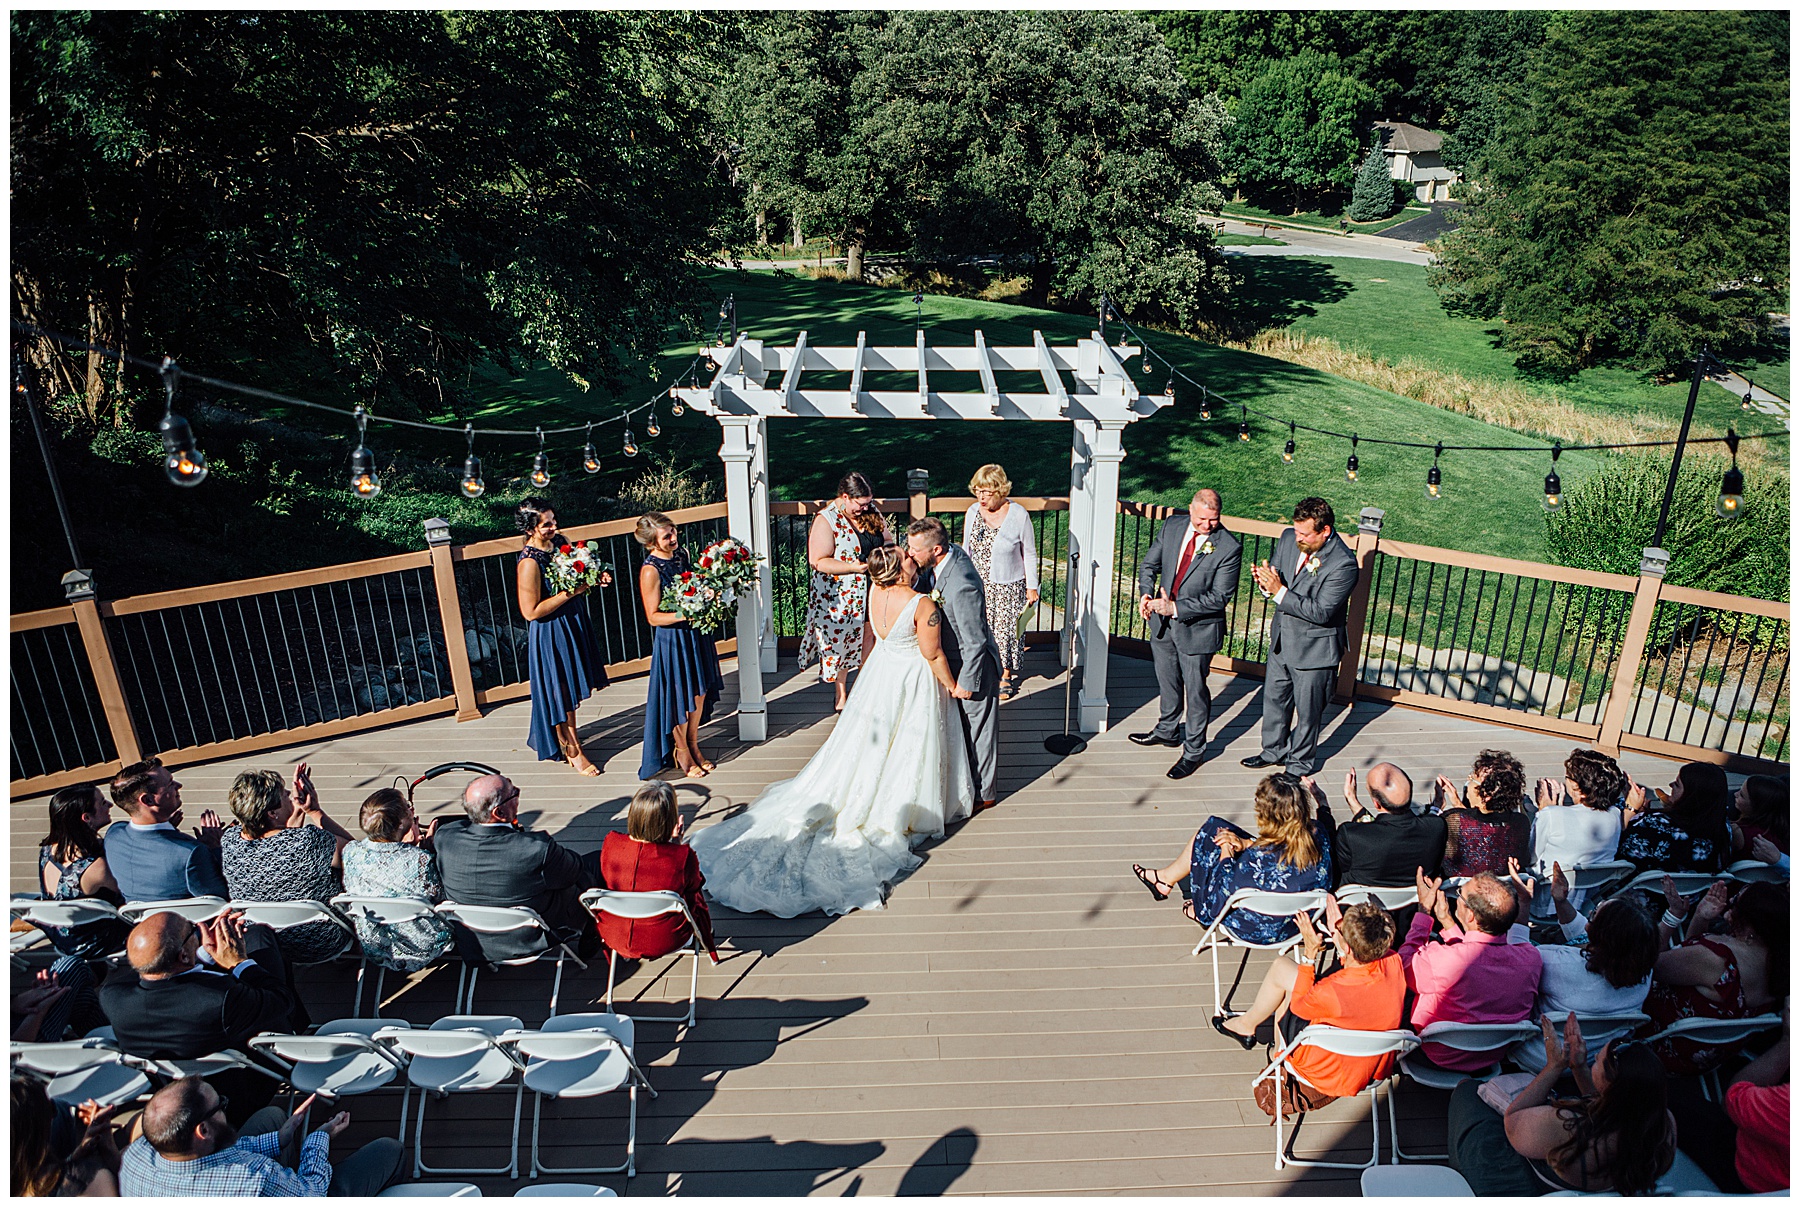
(895, 770)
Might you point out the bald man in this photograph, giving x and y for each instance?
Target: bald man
(490, 858)
(1391, 845)
(1474, 975)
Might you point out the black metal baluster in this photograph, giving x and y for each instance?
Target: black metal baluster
(1756, 692)
(55, 736)
(102, 734)
(165, 740)
(262, 697)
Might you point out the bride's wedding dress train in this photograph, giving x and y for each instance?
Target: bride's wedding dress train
(894, 771)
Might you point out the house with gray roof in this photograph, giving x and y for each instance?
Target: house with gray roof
(1415, 154)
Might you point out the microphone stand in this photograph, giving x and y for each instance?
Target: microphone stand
(1067, 742)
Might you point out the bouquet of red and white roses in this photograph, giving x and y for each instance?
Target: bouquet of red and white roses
(706, 595)
(575, 565)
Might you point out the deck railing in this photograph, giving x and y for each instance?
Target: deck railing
(232, 668)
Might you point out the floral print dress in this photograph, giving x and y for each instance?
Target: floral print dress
(836, 607)
(1005, 601)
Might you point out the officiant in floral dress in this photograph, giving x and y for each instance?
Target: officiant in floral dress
(998, 536)
(843, 534)
(562, 658)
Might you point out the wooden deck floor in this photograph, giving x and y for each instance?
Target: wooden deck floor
(1021, 1019)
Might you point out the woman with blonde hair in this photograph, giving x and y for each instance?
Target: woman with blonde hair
(684, 665)
(843, 534)
(1290, 853)
(998, 535)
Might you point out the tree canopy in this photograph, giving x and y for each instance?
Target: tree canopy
(381, 197)
(1300, 123)
(1635, 202)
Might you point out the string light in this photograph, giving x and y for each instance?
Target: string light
(1287, 450)
(1244, 426)
(1748, 387)
(472, 485)
(651, 428)
(590, 460)
(1434, 480)
(182, 460)
(675, 405)
(1731, 488)
(1350, 465)
(365, 483)
(630, 444)
(540, 465)
(1553, 495)
(1169, 389)
(1205, 398)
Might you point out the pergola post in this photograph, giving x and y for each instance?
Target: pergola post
(763, 544)
(1080, 509)
(1105, 450)
(739, 452)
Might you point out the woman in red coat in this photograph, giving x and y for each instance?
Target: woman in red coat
(647, 857)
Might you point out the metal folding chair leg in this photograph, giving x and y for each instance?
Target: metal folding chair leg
(1393, 1116)
(511, 1169)
(629, 1168)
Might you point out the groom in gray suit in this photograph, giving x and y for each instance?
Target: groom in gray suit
(1309, 581)
(1198, 562)
(969, 645)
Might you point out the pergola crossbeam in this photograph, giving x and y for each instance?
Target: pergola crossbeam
(985, 365)
(856, 370)
(790, 381)
(1046, 365)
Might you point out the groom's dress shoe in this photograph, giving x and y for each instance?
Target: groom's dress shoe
(1257, 760)
(1184, 768)
(1153, 739)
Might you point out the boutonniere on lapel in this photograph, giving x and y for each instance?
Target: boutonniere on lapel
(1312, 564)
(936, 596)
(1206, 548)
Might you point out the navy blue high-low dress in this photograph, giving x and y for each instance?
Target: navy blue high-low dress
(683, 664)
(564, 663)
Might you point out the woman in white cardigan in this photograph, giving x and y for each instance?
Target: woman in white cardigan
(999, 539)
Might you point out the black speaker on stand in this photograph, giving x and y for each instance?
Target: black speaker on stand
(1066, 743)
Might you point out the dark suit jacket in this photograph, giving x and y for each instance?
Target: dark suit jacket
(1203, 594)
(162, 865)
(969, 645)
(1309, 627)
(1389, 849)
(499, 865)
(197, 1013)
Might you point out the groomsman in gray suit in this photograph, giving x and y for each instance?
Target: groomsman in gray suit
(969, 645)
(1309, 581)
(1198, 562)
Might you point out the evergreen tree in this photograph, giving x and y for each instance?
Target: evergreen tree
(1373, 196)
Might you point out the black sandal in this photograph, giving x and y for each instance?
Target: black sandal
(1246, 1042)
(1152, 881)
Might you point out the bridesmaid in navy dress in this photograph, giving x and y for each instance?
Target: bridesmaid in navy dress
(563, 660)
(684, 665)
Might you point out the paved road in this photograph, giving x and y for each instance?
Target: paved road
(1324, 243)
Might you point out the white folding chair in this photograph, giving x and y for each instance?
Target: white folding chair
(500, 920)
(68, 913)
(460, 1053)
(1755, 871)
(1716, 1032)
(1361, 1044)
(79, 1069)
(639, 906)
(1592, 877)
(222, 1061)
(284, 915)
(1386, 898)
(1463, 1037)
(581, 1056)
(1686, 883)
(564, 1190)
(432, 1190)
(1414, 1182)
(378, 913)
(194, 909)
(1253, 901)
(340, 1060)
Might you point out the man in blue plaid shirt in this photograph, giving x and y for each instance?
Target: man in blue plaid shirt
(189, 1150)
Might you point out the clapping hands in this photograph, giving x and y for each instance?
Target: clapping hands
(210, 829)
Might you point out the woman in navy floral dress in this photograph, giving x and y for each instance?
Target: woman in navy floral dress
(1683, 829)
(1290, 853)
(684, 664)
(562, 657)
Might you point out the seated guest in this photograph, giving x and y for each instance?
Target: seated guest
(1617, 1136)
(1611, 975)
(150, 859)
(1683, 829)
(189, 1150)
(284, 849)
(1742, 1144)
(72, 864)
(1761, 804)
(179, 1008)
(63, 1004)
(1577, 820)
(394, 862)
(647, 857)
(1487, 829)
(1291, 853)
(1363, 994)
(1390, 847)
(1737, 974)
(1474, 975)
(58, 1152)
(490, 858)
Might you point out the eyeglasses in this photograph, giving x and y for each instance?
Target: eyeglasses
(219, 1108)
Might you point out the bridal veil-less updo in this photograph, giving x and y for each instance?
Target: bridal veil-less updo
(885, 569)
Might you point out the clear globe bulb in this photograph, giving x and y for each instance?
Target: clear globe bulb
(1350, 469)
(186, 467)
(472, 485)
(651, 428)
(631, 448)
(590, 460)
(675, 408)
(365, 483)
(1287, 453)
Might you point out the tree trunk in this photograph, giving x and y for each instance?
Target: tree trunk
(799, 234)
(762, 227)
(94, 386)
(853, 257)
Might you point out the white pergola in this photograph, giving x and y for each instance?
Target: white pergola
(1098, 397)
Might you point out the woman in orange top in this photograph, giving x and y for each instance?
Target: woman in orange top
(1365, 994)
(645, 858)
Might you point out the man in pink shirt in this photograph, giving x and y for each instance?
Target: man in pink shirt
(1474, 975)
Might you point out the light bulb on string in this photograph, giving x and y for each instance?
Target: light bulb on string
(472, 485)
(590, 460)
(631, 448)
(1205, 403)
(652, 429)
(365, 483)
(540, 465)
(182, 459)
(675, 406)
(1244, 426)
(1350, 465)
(1287, 450)
(1748, 387)
(1169, 389)
(1553, 495)
(1434, 480)
(1731, 488)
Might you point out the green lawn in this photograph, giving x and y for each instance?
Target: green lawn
(1249, 241)
(1314, 219)
(1387, 310)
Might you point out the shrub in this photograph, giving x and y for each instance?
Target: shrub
(666, 485)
